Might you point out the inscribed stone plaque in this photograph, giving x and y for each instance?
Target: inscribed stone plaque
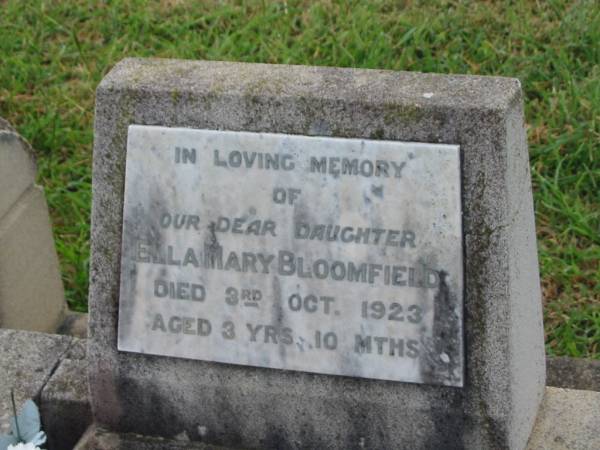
(325, 255)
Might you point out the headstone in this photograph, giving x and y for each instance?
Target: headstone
(31, 290)
(292, 257)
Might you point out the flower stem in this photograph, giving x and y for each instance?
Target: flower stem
(12, 399)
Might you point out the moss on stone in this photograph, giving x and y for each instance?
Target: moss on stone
(395, 113)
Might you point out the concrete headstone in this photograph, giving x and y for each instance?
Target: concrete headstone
(292, 257)
(31, 290)
(17, 168)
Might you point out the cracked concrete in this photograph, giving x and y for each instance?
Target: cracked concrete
(28, 361)
(51, 370)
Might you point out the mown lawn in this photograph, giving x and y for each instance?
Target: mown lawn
(53, 54)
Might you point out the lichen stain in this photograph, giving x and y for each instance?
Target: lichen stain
(212, 242)
(394, 114)
(442, 355)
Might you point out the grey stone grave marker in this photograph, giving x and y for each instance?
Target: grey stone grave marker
(298, 257)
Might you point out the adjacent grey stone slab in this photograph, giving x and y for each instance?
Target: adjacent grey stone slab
(31, 291)
(27, 360)
(326, 255)
(268, 408)
(78, 350)
(573, 373)
(17, 169)
(568, 420)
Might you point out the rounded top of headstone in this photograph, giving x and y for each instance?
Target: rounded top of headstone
(5, 125)
(11, 141)
(17, 167)
(10, 134)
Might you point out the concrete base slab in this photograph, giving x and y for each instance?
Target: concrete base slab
(573, 373)
(51, 369)
(568, 420)
(27, 360)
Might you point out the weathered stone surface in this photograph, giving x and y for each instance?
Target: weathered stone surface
(78, 350)
(568, 420)
(265, 408)
(573, 373)
(17, 169)
(64, 404)
(31, 291)
(27, 360)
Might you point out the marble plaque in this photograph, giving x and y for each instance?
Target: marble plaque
(325, 255)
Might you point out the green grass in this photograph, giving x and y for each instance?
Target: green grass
(55, 53)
